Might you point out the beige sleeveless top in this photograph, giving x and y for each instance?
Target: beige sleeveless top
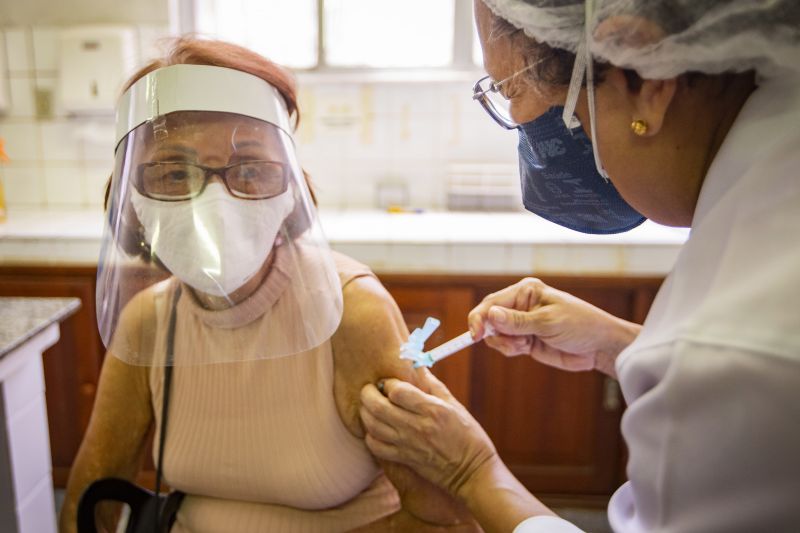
(260, 445)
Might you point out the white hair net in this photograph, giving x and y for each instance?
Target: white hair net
(664, 38)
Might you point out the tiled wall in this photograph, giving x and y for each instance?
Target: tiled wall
(56, 161)
(355, 137)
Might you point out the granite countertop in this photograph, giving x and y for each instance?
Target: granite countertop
(429, 242)
(22, 318)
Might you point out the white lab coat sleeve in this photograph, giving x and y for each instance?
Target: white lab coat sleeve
(546, 524)
(714, 438)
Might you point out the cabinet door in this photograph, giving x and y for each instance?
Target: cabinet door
(72, 365)
(450, 304)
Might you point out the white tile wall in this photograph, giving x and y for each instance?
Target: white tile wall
(586, 259)
(56, 161)
(353, 135)
(647, 262)
(22, 141)
(23, 185)
(44, 48)
(367, 253)
(521, 259)
(22, 102)
(64, 186)
(19, 50)
(59, 142)
(96, 140)
(486, 258)
(96, 177)
(425, 257)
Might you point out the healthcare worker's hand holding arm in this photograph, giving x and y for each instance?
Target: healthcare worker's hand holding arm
(552, 326)
(438, 438)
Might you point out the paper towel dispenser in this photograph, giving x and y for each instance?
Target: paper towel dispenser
(93, 63)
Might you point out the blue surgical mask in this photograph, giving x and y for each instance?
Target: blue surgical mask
(560, 181)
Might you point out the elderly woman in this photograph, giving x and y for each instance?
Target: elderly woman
(688, 116)
(231, 327)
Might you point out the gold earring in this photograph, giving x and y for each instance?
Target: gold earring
(639, 127)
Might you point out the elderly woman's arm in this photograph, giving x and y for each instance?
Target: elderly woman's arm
(121, 419)
(436, 436)
(366, 348)
(115, 438)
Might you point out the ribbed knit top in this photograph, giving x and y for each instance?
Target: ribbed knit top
(259, 445)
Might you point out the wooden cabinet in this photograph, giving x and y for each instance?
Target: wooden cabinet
(450, 304)
(558, 432)
(72, 366)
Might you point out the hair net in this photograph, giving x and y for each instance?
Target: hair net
(664, 38)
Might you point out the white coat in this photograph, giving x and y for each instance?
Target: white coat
(713, 380)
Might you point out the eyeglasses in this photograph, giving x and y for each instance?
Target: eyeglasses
(488, 93)
(173, 181)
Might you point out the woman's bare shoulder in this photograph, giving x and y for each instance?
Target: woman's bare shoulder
(372, 326)
(367, 344)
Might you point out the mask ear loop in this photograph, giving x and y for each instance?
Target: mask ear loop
(571, 120)
(583, 61)
(590, 89)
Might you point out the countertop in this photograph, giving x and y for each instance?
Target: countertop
(429, 242)
(22, 318)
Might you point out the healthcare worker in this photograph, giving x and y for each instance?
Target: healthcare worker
(687, 113)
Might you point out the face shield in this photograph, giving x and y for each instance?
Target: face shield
(210, 224)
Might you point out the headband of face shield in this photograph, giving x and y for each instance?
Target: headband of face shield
(207, 195)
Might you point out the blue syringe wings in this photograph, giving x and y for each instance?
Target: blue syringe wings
(413, 349)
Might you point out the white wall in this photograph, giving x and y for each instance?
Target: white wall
(56, 161)
(66, 12)
(354, 135)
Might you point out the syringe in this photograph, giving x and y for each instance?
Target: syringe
(413, 349)
(447, 349)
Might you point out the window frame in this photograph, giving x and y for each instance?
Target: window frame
(183, 20)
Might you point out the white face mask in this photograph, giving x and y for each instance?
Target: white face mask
(215, 243)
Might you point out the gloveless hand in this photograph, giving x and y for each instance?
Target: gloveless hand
(552, 326)
(431, 433)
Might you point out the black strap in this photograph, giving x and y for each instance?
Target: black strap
(170, 358)
(118, 490)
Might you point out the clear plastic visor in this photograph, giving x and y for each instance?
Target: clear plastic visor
(210, 223)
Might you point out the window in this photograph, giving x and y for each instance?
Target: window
(344, 34)
(477, 52)
(286, 32)
(370, 33)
